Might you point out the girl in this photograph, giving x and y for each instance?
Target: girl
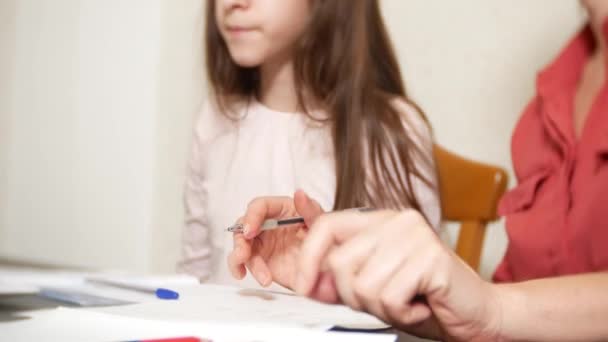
(304, 94)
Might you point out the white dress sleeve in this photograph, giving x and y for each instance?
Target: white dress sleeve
(196, 235)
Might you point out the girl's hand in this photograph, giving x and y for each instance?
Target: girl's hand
(392, 265)
(271, 256)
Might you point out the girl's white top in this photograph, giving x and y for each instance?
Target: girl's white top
(265, 153)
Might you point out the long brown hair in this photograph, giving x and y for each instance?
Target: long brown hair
(345, 61)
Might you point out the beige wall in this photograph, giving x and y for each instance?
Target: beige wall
(97, 100)
(82, 120)
(7, 54)
(179, 99)
(97, 115)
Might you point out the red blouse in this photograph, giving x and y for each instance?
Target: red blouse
(557, 216)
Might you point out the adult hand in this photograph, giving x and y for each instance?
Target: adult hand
(393, 265)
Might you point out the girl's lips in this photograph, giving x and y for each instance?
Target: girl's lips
(236, 30)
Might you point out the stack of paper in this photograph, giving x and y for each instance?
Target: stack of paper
(219, 313)
(208, 303)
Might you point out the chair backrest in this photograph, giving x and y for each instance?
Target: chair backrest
(469, 192)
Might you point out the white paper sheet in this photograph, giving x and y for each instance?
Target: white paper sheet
(11, 289)
(18, 280)
(65, 278)
(206, 303)
(83, 325)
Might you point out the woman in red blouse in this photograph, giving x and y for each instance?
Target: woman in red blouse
(557, 216)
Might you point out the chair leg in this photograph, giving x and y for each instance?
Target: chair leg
(470, 242)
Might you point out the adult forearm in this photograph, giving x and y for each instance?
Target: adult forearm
(555, 309)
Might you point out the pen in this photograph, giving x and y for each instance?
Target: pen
(278, 223)
(160, 292)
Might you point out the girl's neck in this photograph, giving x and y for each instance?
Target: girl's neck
(277, 85)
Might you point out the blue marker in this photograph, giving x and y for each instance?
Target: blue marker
(161, 293)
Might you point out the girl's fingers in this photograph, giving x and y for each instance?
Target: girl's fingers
(259, 270)
(264, 208)
(239, 256)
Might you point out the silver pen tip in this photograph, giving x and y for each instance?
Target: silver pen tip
(237, 228)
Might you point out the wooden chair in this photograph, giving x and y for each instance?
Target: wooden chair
(469, 192)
